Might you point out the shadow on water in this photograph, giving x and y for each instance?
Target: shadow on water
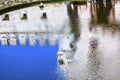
(100, 12)
(103, 14)
(72, 9)
(94, 60)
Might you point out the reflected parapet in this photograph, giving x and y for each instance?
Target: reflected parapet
(53, 39)
(4, 40)
(65, 53)
(42, 39)
(31, 39)
(13, 39)
(23, 39)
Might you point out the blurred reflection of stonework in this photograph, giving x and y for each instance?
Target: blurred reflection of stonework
(9, 3)
(22, 27)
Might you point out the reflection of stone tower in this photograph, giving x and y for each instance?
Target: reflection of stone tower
(94, 66)
(27, 39)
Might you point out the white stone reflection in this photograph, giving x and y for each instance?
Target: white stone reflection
(42, 39)
(32, 39)
(4, 40)
(12, 39)
(23, 39)
(53, 39)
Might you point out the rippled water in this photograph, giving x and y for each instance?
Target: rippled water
(97, 37)
(92, 35)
